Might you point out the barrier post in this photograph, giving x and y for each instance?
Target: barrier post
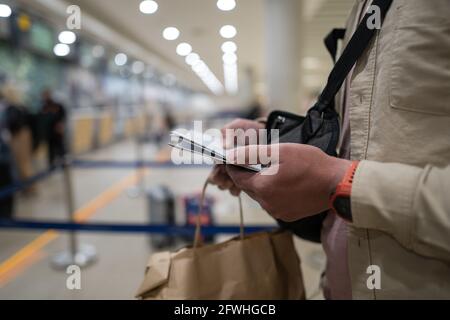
(139, 189)
(140, 167)
(80, 255)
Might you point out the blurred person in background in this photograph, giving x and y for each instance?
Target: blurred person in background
(255, 110)
(169, 120)
(162, 123)
(6, 178)
(17, 123)
(55, 115)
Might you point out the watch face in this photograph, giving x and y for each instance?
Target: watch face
(343, 207)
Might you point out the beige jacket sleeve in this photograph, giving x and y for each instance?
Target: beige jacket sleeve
(410, 203)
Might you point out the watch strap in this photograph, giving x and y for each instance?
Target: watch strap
(340, 201)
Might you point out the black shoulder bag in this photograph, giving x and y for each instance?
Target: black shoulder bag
(320, 126)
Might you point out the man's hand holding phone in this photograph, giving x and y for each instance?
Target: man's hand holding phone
(304, 180)
(219, 175)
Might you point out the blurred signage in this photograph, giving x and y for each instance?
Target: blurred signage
(41, 37)
(87, 60)
(24, 22)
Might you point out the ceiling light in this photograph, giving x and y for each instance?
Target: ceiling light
(183, 49)
(121, 59)
(171, 33)
(148, 6)
(199, 67)
(138, 67)
(61, 50)
(5, 11)
(226, 5)
(192, 59)
(98, 51)
(231, 78)
(211, 81)
(67, 37)
(228, 31)
(229, 58)
(229, 46)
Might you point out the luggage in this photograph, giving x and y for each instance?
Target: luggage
(161, 209)
(192, 210)
(6, 179)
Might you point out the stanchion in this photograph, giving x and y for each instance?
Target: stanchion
(139, 188)
(80, 255)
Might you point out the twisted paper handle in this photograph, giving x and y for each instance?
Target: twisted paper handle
(198, 226)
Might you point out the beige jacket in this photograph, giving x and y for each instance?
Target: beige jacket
(399, 105)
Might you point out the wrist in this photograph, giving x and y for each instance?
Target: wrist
(338, 171)
(340, 199)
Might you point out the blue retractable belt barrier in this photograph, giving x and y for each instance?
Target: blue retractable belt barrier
(127, 228)
(107, 164)
(16, 187)
(88, 164)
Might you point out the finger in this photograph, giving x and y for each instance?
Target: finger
(231, 136)
(226, 184)
(216, 176)
(220, 178)
(253, 154)
(242, 179)
(229, 140)
(235, 191)
(213, 176)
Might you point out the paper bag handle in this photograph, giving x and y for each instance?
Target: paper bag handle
(198, 225)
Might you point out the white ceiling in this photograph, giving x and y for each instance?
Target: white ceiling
(199, 22)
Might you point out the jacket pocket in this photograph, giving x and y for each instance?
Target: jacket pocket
(420, 70)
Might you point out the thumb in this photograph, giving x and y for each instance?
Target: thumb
(252, 154)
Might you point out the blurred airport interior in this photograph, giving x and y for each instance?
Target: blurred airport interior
(104, 81)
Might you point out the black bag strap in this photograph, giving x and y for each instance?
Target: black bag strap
(331, 41)
(354, 49)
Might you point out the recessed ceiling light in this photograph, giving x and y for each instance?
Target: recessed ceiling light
(121, 59)
(229, 46)
(231, 78)
(148, 6)
(171, 33)
(183, 49)
(5, 11)
(226, 5)
(67, 37)
(199, 67)
(229, 58)
(192, 58)
(61, 50)
(228, 31)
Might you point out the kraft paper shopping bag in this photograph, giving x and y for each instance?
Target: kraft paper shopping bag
(259, 266)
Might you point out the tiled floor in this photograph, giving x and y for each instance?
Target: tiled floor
(25, 271)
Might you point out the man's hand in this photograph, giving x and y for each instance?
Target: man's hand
(219, 175)
(301, 187)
